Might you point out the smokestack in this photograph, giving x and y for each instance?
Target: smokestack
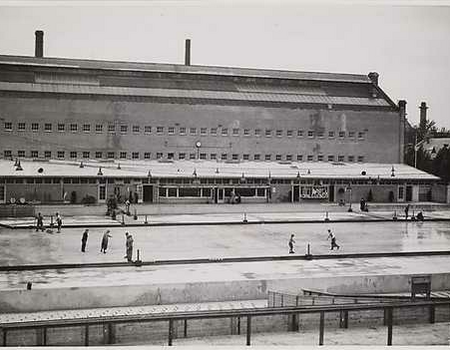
(402, 107)
(373, 76)
(423, 115)
(187, 52)
(39, 46)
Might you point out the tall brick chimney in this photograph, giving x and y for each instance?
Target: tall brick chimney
(39, 45)
(187, 52)
(423, 115)
(401, 129)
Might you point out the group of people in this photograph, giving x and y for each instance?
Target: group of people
(40, 222)
(105, 242)
(291, 243)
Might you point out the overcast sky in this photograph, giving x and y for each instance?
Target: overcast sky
(408, 46)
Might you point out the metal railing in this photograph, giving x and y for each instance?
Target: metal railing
(248, 314)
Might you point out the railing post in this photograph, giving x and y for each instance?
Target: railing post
(249, 330)
(185, 328)
(321, 327)
(239, 325)
(170, 332)
(44, 336)
(389, 325)
(86, 335)
(4, 332)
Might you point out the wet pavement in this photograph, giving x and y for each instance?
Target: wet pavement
(26, 246)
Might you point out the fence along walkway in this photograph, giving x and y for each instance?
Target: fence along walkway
(110, 322)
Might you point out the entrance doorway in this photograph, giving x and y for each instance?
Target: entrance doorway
(331, 194)
(408, 193)
(296, 194)
(148, 194)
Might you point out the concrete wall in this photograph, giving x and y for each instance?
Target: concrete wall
(381, 142)
(134, 295)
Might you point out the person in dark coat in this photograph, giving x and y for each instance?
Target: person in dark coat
(129, 247)
(291, 244)
(39, 223)
(362, 204)
(105, 241)
(84, 240)
(58, 221)
(406, 212)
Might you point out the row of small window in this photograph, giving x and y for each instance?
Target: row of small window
(48, 127)
(191, 156)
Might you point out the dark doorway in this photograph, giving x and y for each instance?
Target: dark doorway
(408, 193)
(148, 194)
(331, 194)
(296, 193)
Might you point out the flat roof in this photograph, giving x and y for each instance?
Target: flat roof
(213, 169)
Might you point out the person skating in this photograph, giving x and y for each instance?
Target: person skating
(291, 244)
(333, 240)
(58, 222)
(39, 223)
(105, 241)
(406, 212)
(84, 240)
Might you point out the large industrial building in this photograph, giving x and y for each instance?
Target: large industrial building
(102, 112)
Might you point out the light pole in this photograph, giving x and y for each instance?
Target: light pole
(349, 189)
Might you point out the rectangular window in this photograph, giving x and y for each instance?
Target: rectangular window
(289, 157)
(48, 127)
(224, 156)
(289, 133)
(351, 134)
(8, 126)
(310, 158)
(279, 133)
(110, 155)
(235, 132)
(268, 157)
(171, 130)
(7, 153)
(73, 154)
(213, 156)
(98, 128)
(86, 154)
(21, 154)
(331, 134)
(135, 155)
(159, 155)
(87, 127)
(299, 133)
(47, 154)
(159, 129)
(351, 158)
(268, 133)
(191, 156)
(235, 156)
(61, 127)
(341, 158)
(98, 154)
(34, 154)
(213, 131)
(360, 159)
(278, 157)
(73, 127)
(299, 157)
(60, 154)
(246, 157)
(257, 132)
(224, 132)
(34, 126)
(203, 131)
(320, 134)
(331, 158)
(181, 156)
(341, 134)
(136, 128)
(21, 126)
(361, 135)
(193, 131)
(182, 130)
(401, 192)
(147, 155)
(124, 129)
(147, 129)
(310, 133)
(123, 155)
(320, 157)
(257, 157)
(111, 128)
(202, 155)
